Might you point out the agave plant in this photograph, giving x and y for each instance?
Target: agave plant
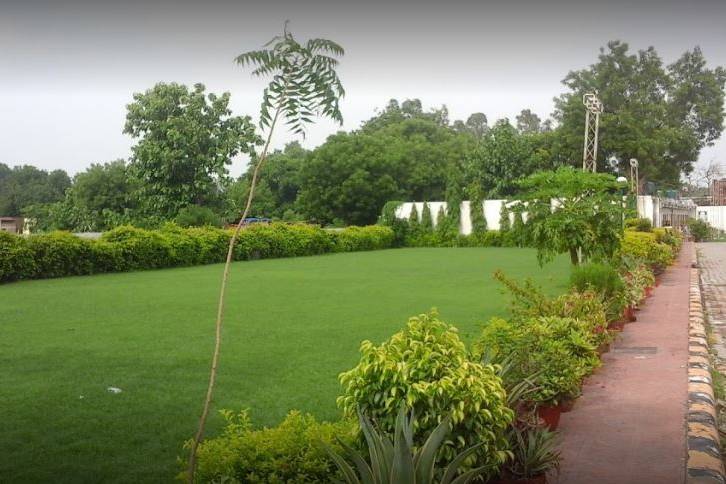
(535, 452)
(398, 461)
(516, 390)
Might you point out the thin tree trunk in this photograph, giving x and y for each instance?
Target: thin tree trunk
(574, 257)
(220, 306)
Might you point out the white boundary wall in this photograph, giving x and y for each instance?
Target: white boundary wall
(491, 209)
(714, 215)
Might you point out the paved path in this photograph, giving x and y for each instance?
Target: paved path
(712, 261)
(629, 425)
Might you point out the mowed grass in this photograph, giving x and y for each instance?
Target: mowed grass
(292, 325)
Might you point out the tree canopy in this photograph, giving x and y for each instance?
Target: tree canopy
(569, 211)
(661, 115)
(186, 140)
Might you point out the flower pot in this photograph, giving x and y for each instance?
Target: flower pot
(566, 404)
(629, 314)
(550, 414)
(616, 325)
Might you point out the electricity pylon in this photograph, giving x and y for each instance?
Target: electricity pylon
(593, 108)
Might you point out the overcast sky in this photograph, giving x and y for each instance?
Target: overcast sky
(68, 69)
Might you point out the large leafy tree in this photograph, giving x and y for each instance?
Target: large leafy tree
(572, 211)
(661, 115)
(528, 122)
(106, 186)
(24, 186)
(501, 159)
(277, 191)
(303, 83)
(186, 140)
(350, 177)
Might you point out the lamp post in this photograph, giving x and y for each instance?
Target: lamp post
(623, 181)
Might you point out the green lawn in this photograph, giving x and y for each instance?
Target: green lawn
(292, 326)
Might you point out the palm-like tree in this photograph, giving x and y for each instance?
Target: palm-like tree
(304, 84)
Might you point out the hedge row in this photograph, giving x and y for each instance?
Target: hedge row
(126, 248)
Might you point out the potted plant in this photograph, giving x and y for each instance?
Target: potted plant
(534, 454)
(550, 413)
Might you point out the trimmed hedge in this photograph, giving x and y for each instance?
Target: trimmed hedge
(127, 248)
(645, 247)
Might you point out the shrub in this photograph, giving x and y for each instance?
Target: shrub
(294, 451)
(185, 249)
(602, 278)
(700, 229)
(557, 351)
(639, 224)
(399, 227)
(643, 246)
(427, 223)
(58, 254)
(213, 243)
(139, 248)
(373, 237)
(197, 216)
(669, 237)
(427, 367)
(126, 248)
(106, 257)
(263, 241)
(17, 260)
(588, 309)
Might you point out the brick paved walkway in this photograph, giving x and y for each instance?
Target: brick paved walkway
(629, 425)
(712, 261)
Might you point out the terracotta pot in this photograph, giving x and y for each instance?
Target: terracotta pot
(550, 414)
(629, 314)
(616, 325)
(567, 404)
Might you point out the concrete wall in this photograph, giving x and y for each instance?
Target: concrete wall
(490, 208)
(665, 211)
(714, 215)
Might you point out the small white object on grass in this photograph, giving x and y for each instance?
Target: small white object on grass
(114, 390)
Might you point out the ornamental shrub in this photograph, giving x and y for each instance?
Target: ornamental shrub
(400, 227)
(140, 248)
(639, 224)
(16, 261)
(643, 246)
(602, 278)
(587, 308)
(292, 452)
(669, 237)
(700, 229)
(127, 248)
(427, 223)
(557, 353)
(58, 254)
(352, 239)
(212, 242)
(427, 367)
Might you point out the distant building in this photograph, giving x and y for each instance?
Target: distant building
(718, 192)
(14, 225)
